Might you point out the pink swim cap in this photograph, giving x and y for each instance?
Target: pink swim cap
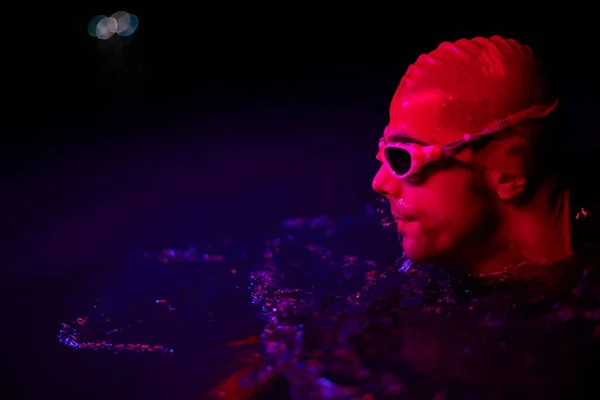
(463, 87)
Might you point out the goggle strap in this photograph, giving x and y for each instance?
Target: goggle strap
(531, 113)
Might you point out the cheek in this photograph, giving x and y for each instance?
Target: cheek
(450, 205)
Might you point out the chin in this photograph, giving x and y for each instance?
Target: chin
(412, 251)
(416, 253)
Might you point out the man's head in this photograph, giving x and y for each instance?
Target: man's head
(471, 112)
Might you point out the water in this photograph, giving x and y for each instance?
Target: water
(201, 306)
(310, 305)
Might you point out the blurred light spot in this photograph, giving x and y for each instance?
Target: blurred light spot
(103, 29)
(94, 24)
(133, 25)
(111, 25)
(121, 23)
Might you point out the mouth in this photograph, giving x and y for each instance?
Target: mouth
(402, 222)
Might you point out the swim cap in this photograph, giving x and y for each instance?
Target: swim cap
(465, 86)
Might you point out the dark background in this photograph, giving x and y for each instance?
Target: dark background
(207, 122)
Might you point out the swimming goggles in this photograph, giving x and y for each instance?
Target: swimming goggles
(406, 160)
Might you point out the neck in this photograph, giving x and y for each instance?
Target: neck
(539, 233)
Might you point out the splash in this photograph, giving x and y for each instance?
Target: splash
(308, 261)
(387, 220)
(313, 267)
(79, 334)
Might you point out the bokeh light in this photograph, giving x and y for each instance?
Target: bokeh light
(94, 24)
(120, 23)
(132, 26)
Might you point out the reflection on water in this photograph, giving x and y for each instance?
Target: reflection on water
(160, 302)
(290, 306)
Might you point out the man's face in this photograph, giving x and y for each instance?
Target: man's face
(446, 212)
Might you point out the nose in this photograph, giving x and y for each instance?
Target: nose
(386, 184)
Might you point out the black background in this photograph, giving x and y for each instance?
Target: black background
(210, 120)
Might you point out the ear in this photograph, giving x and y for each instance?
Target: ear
(508, 187)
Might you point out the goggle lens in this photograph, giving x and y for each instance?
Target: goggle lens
(398, 159)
